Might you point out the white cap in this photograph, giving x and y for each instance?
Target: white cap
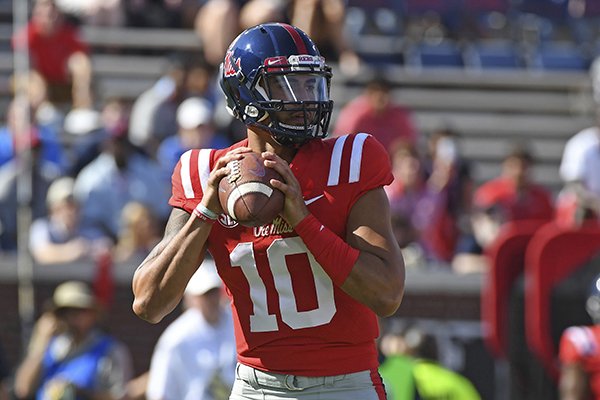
(81, 121)
(60, 190)
(194, 112)
(73, 294)
(204, 279)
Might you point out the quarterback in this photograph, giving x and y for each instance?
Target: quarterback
(306, 289)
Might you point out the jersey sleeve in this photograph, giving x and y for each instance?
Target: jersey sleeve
(377, 168)
(374, 167)
(190, 178)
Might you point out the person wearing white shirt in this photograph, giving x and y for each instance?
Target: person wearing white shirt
(572, 166)
(195, 357)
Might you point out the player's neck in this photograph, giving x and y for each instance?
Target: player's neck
(260, 141)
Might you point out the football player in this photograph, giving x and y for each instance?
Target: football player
(579, 354)
(306, 290)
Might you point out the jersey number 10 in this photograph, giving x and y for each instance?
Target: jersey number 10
(260, 320)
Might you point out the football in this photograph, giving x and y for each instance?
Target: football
(245, 193)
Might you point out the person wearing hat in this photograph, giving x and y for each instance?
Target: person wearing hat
(195, 356)
(57, 238)
(68, 356)
(195, 131)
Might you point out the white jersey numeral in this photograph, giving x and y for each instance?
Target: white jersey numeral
(260, 320)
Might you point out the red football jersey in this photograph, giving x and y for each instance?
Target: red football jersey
(581, 344)
(289, 316)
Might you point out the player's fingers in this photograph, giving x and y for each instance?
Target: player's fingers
(279, 165)
(217, 174)
(282, 186)
(236, 154)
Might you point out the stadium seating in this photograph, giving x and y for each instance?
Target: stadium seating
(493, 54)
(507, 258)
(553, 254)
(445, 53)
(559, 56)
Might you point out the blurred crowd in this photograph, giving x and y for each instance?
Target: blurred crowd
(101, 167)
(95, 161)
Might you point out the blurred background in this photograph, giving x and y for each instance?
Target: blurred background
(488, 109)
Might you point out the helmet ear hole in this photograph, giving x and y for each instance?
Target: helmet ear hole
(251, 111)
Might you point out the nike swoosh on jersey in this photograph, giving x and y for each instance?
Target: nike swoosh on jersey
(310, 201)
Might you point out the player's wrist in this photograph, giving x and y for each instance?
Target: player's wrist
(335, 255)
(205, 214)
(297, 219)
(303, 222)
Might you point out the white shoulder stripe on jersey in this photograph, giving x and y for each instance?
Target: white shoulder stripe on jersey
(336, 161)
(184, 173)
(204, 167)
(356, 156)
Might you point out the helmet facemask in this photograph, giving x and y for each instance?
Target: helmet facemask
(292, 99)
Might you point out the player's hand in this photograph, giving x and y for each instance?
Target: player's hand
(210, 198)
(294, 209)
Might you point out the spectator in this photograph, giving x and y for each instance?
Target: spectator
(117, 176)
(449, 173)
(411, 369)
(514, 192)
(579, 354)
(445, 166)
(140, 232)
(415, 201)
(196, 131)
(255, 12)
(195, 357)
(375, 111)
(408, 239)
(91, 129)
(200, 80)
(42, 173)
(324, 20)
(571, 163)
(579, 198)
(57, 238)
(21, 130)
(153, 13)
(164, 119)
(109, 13)
(576, 202)
(217, 24)
(58, 54)
(43, 112)
(141, 128)
(68, 356)
(512, 196)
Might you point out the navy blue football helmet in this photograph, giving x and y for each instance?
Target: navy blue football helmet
(592, 303)
(274, 77)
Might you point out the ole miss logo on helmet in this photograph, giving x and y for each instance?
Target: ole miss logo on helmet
(230, 68)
